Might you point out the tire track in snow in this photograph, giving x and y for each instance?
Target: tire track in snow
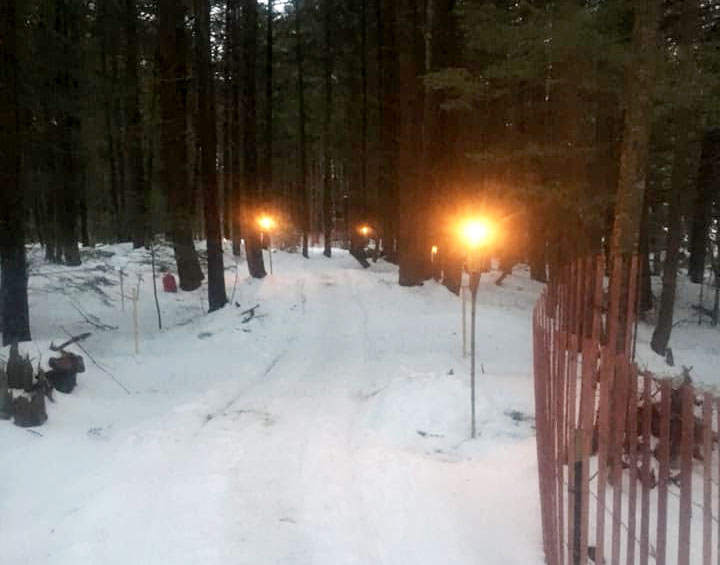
(269, 369)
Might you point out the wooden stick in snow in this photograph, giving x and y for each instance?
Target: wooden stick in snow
(122, 290)
(135, 296)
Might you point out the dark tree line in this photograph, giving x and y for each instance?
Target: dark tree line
(582, 126)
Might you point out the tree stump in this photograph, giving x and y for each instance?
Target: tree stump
(63, 371)
(19, 370)
(29, 409)
(5, 397)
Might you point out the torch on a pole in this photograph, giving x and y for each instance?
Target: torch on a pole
(267, 224)
(476, 235)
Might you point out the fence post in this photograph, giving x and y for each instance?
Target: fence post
(577, 487)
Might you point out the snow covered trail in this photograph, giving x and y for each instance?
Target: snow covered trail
(333, 432)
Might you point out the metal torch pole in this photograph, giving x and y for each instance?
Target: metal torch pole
(474, 282)
(269, 239)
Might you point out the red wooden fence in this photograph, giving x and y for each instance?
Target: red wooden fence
(628, 463)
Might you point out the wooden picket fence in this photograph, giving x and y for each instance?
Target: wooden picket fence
(628, 463)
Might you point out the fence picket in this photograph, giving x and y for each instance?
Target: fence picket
(646, 447)
(591, 400)
(686, 472)
(663, 472)
(707, 477)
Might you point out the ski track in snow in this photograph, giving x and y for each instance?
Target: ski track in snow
(298, 442)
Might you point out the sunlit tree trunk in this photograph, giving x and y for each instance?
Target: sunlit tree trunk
(638, 121)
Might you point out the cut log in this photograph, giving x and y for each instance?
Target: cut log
(19, 370)
(5, 396)
(63, 371)
(29, 410)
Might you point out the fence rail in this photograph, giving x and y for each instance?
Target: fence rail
(628, 463)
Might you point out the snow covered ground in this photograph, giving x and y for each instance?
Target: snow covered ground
(694, 345)
(331, 429)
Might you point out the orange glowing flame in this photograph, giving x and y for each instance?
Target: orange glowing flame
(434, 250)
(476, 232)
(365, 230)
(266, 223)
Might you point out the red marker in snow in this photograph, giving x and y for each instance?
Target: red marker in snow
(169, 284)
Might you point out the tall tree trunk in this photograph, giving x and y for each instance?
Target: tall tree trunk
(706, 195)
(646, 298)
(14, 313)
(389, 130)
(217, 295)
(413, 248)
(69, 183)
(134, 132)
(235, 73)
(638, 121)
(107, 95)
(302, 160)
(327, 121)
(227, 163)
(173, 84)
(253, 246)
(685, 127)
(269, 190)
(363, 109)
(84, 228)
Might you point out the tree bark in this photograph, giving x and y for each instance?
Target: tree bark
(217, 295)
(14, 312)
(173, 79)
(638, 122)
(646, 298)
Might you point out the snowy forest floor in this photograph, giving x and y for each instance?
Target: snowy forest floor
(332, 428)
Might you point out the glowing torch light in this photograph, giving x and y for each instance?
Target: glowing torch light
(476, 233)
(266, 223)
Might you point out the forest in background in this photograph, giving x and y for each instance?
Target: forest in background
(580, 126)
